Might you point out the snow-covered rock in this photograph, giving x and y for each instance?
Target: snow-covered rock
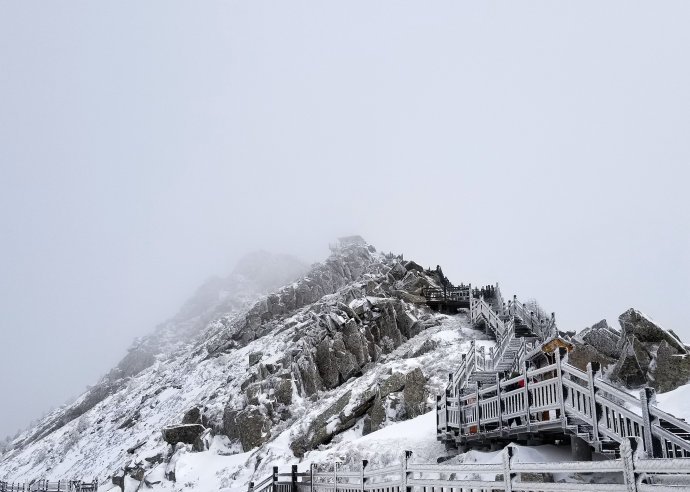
(345, 350)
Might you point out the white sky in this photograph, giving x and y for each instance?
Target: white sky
(146, 145)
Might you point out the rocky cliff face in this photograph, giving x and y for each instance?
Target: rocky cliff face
(348, 347)
(642, 353)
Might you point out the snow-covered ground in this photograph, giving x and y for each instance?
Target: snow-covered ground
(676, 402)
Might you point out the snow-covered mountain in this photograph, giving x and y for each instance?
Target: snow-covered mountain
(344, 350)
(275, 364)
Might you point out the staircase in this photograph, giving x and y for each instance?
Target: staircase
(485, 401)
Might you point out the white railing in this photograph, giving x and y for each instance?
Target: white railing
(629, 473)
(543, 327)
(49, 486)
(553, 396)
(479, 308)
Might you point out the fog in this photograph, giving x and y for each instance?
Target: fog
(145, 146)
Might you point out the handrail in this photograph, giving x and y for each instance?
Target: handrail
(630, 472)
(614, 414)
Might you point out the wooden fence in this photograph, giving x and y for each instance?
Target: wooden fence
(630, 473)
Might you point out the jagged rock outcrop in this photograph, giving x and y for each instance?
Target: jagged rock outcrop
(336, 339)
(671, 369)
(603, 337)
(642, 353)
(636, 325)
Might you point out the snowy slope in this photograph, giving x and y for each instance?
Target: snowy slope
(334, 339)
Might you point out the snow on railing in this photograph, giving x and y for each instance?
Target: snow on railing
(49, 486)
(547, 397)
(629, 473)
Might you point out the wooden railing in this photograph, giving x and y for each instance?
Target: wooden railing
(629, 473)
(552, 396)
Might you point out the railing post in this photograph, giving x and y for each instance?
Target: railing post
(335, 476)
(403, 472)
(592, 368)
(626, 450)
(526, 396)
(500, 404)
(648, 398)
(312, 467)
(274, 484)
(559, 375)
(361, 475)
(479, 407)
(507, 475)
(293, 478)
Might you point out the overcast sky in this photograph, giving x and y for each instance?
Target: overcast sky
(145, 146)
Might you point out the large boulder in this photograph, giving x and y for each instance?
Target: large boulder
(192, 416)
(583, 353)
(635, 324)
(671, 369)
(604, 338)
(415, 393)
(185, 433)
(628, 369)
(250, 426)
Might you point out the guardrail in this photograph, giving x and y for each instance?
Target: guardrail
(548, 397)
(629, 473)
(49, 486)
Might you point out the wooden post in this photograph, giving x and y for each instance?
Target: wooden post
(274, 485)
(251, 487)
(592, 368)
(362, 478)
(311, 476)
(293, 478)
(507, 476)
(335, 476)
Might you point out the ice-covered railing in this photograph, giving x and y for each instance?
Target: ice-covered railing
(543, 327)
(561, 396)
(49, 486)
(632, 472)
(479, 308)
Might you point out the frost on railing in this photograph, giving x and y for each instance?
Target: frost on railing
(559, 395)
(629, 473)
(49, 486)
